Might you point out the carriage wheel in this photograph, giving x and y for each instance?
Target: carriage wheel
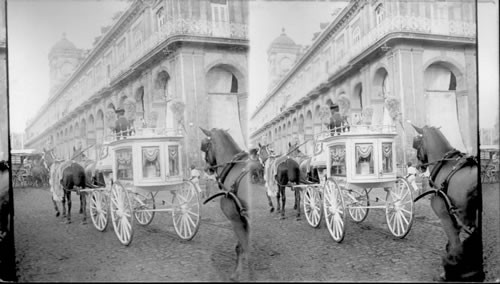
(399, 208)
(357, 198)
(99, 209)
(144, 202)
(312, 206)
(121, 213)
(186, 211)
(334, 210)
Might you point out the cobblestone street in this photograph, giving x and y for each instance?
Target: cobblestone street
(282, 250)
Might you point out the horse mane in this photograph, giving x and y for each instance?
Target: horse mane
(225, 134)
(438, 138)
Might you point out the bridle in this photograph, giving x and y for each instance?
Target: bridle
(461, 159)
(241, 157)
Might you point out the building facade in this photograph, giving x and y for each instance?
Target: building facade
(178, 62)
(414, 59)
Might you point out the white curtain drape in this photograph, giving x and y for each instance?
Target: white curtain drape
(441, 111)
(437, 78)
(219, 81)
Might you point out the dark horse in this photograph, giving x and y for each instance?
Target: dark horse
(235, 174)
(455, 200)
(284, 170)
(64, 177)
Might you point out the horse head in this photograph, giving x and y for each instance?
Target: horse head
(48, 157)
(430, 144)
(219, 147)
(295, 153)
(263, 152)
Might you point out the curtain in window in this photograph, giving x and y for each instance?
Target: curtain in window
(437, 78)
(364, 151)
(219, 81)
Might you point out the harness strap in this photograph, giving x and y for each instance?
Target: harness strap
(232, 193)
(462, 161)
(440, 164)
(229, 165)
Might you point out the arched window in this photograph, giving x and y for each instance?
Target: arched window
(379, 14)
(160, 18)
(356, 34)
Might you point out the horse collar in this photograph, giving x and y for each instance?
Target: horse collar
(229, 165)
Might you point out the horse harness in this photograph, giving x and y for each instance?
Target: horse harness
(462, 160)
(233, 190)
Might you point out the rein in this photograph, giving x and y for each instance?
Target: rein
(233, 190)
(462, 161)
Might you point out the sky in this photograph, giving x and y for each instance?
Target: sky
(34, 26)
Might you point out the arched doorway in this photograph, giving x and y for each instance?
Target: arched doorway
(223, 93)
(441, 103)
(91, 138)
(309, 133)
(164, 94)
(99, 127)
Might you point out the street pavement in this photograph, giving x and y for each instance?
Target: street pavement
(281, 250)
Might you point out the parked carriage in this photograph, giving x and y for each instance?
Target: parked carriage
(489, 163)
(136, 169)
(350, 164)
(21, 160)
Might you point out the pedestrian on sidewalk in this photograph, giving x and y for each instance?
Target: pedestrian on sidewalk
(411, 175)
(211, 184)
(195, 179)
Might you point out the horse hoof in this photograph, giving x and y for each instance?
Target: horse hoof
(234, 277)
(272, 210)
(440, 278)
(81, 211)
(295, 207)
(67, 222)
(57, 214)
(282, 217)
(84, 222)
(298, 218)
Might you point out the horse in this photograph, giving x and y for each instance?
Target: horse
(40, 172)
(282, 171)
(64, 177)
(234, 173)
(456, 201)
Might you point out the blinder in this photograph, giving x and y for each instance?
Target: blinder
(205, 145)
(417, 142)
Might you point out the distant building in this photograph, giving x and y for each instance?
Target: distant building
(411, 60)
(17, 140)
(183, 64)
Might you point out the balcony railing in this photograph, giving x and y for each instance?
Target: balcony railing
(193, 27)
(412, 24)
(365, 129)
(142, 133)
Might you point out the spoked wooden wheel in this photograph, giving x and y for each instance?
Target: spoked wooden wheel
(144, 202)
(399, 208)
(99, 209)
(357, 199)
(186, 211)
(334, 210)
(312, 206)
(121, 213)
